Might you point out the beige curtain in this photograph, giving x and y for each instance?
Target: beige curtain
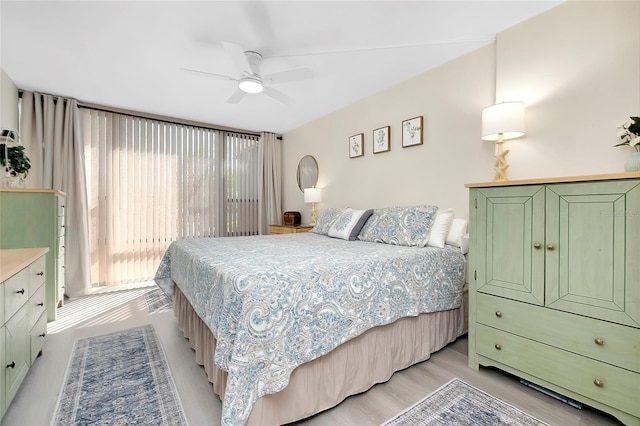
(270, 182)
(52, 134)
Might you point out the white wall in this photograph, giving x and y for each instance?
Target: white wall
(577, 67)
(448, 98)
(8, 102)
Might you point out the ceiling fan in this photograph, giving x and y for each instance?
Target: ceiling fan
(250, 80)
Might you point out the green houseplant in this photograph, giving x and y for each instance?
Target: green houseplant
(629, 134)
(15, 161)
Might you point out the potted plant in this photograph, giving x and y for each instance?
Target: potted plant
(629, 134)
(16, 164)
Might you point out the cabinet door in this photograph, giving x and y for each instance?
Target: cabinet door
(16, 349)
(593, 246)
(509, 228)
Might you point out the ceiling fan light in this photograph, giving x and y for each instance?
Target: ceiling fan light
(250, 85)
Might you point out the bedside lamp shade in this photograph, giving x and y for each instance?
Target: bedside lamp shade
(501, 122)
(312, 195)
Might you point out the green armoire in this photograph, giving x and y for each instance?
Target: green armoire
(554, 286)
(35, 218)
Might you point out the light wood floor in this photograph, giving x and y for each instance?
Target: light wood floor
(35, 402)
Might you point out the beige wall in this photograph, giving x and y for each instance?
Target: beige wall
(8, 102)
(577, 67)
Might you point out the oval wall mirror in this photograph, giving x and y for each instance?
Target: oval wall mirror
(307, 172)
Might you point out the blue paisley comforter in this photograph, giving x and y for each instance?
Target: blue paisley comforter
(275, 302)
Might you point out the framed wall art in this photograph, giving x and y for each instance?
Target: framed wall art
(381, 140)
(412, 132)
(356, 145)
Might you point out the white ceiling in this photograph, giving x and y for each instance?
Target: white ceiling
(129, 54)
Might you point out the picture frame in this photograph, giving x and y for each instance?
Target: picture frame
(356, 145)
(382, 140)
(412, 131)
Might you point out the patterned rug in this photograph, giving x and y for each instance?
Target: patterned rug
(120, 378)
(459, 403)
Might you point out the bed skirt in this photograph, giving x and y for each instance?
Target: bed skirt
(351, 368)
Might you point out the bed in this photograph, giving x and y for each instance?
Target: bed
(289, 325)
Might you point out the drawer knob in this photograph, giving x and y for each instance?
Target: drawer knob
(498, 347)
(598, 383)
(40, 274)
(42, 335)
(499, 314)
(21, 291)
(12, 365)
(537, 245)
(599, 341)
(41, 304)
(550, 247)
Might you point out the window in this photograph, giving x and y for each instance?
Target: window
(152, 182)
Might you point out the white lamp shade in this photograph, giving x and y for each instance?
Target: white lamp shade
(312, 195)
(506, 119)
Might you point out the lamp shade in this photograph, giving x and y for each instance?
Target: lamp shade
(505, 119)
(312, 195)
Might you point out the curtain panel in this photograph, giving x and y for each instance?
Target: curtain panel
(50, 130)
(270, 184)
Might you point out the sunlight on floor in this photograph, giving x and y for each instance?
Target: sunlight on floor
(82, 312)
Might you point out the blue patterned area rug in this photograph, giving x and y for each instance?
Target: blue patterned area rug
(459, 403)
(120, 378)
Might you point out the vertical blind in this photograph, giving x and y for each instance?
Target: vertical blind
(151, 182)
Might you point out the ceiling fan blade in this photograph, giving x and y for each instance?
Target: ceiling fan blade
(237, 56)
(236, 97)
(276, 94)
(290, 75)
(209, 74)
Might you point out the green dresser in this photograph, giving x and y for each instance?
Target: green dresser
(554, 287)
(35, 218)
(23, 317)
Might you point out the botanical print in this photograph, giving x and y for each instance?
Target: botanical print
(356, 148)
(412, 132)
(381, 140)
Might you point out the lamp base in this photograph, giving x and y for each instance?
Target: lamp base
(314, 214)
(501, 165)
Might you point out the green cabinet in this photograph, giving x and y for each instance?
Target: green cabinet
(35, 218)
(555, 272)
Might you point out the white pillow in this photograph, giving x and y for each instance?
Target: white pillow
(458, 229)
(440, 228)
(348, 225)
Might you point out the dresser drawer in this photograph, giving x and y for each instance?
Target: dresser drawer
(37, 273)
(38, 335)
(37, 305)
(614, 344)
(602, 382)
(61, 202)
(16, 293)
(283, 229)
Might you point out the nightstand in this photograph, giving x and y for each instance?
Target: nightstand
(289, 229)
